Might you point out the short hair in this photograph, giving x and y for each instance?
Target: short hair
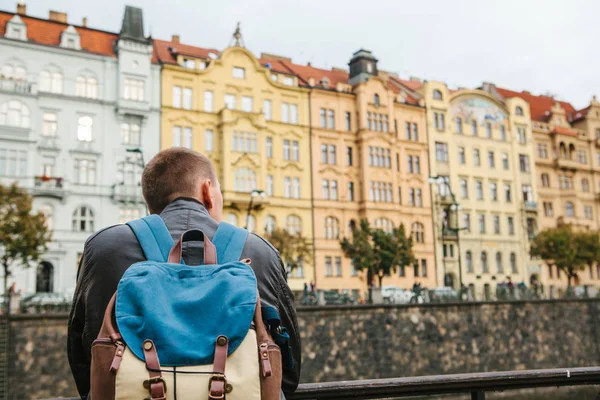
(172, 173)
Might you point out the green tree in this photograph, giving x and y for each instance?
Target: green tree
(23, 234)
(571, 251)
(293, 248)
(377, 252)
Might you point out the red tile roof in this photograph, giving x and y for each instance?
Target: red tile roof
(48, 33)
(577, 115)
(163, 53)
(412, 85)
(538, 105)
(564, 131)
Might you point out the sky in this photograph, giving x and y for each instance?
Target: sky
(543, 46)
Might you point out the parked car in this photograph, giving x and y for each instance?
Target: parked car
(44, 302)
(442, 295)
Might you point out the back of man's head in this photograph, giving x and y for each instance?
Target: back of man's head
(172, 173)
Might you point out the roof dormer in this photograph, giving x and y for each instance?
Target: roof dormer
(70, 39)
(16, 29)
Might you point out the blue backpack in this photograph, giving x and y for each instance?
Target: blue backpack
(186, 330)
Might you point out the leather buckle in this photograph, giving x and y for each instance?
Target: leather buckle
(156, 379)
(219, 377)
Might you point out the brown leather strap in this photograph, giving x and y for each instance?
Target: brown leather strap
(217, 383)
(156, 385)
(263, 338)
(107, 324)
(210, 252)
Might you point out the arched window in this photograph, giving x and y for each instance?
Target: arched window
(44, 282)
(86, 86)
(384, 224)
(293, 224)
(245, 180)
(14, 113)
(499, 266)
(232, 219)
(469, 261)
(569, 209)
(585, 185)
(18, 73)
(563, 151)
(376, 99)
(83, 219)
(437, 95)
(519, 110)
(130, 134)
(484, 262)
(418, 232)
(545, 180)
(332, 228)
(269, 224)
(513, 263)
(51, 81)
(571, 151)
(48, 212)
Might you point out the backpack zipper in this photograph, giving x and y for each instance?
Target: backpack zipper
(119, 350)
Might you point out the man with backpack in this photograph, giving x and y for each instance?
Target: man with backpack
(181, 187)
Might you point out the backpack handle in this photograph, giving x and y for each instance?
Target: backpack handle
(210, 251)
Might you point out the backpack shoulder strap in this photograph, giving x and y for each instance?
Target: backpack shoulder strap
(154, 237)
(229, 242)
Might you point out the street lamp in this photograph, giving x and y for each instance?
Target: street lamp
(255, 193)
(142, 164)
(452, 225)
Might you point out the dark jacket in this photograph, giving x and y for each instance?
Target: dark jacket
(109, 252)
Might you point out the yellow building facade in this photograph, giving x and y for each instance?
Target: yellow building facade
(369, 161)
(480, 148)
(253, 124)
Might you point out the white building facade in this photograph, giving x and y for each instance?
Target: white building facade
(79, 114)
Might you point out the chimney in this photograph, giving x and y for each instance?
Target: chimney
(84, 22)
(57, 16)
(175, 39)
(21, 8)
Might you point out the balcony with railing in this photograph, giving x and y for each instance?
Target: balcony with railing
(49, 186)
(12, 85)
(530, 207)
(127, 193)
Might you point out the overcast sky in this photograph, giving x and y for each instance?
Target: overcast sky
(544, 46)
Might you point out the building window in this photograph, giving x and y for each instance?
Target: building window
(269, 146)
(415, 132)
(527, 193)
(349, 160)
(293, 224)
(338, 266)
(499, 266)
(488, 130)
(548, 210)
(524, 163)
(246, 142)
(239, 73)
(496, 224)
(459, 125)
(333, 195)
(48, 164)
(296, 188)
(441, 152)
(384, 224)
(464, 189)
(513, 263)
(230, 101)
(269, 224)
(295, 151)
(376, 99)
(133, 89)
(439, 121)
(287, 187)
(511, 226)
(332, 154)
(461, 155)
(323, 118)
(569, 209)
(469, 261)
(481, 223)
(519, 110)
(493, 191)
(542, 150)
(479, 190)
(288, 81)
(86, 87)
(244, 180)
(467, 222)
(51, 82)
(348, 121)
(332, 228)
(476, 159)
(130, 134)
(14, 113)
(474, 127)
(285, 110)
(13, 162)
(83, 219)
(247, 104)
(545, 180)
(85, 129)
(350, 191)
(187, 99)
(507, 192)
(587, 212)
(267, 110)
(585, 185)
(582, 156)
(484, 263)
(208, 101)
(176, 97)
(328, 266)
(269, 185)
(408, 131)
(294, 114)
(50, 126)
(521, 135)
(330, 119)
(418, 232)
(325, 189)
(502, 133)
(437, 95)
(491, 159)
(209, 140)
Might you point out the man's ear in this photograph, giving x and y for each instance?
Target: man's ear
(206, 197)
